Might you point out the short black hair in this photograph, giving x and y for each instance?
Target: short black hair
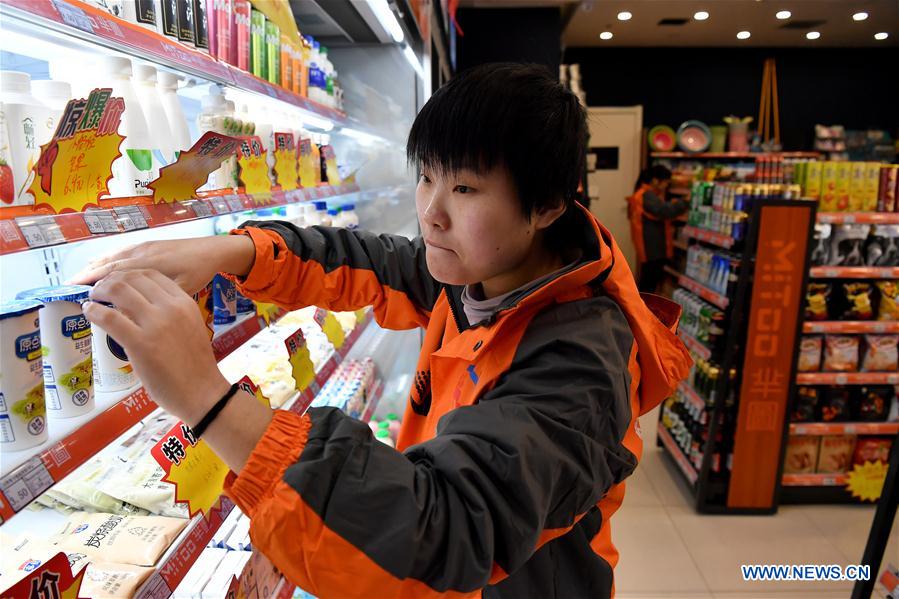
(513, 115)
(656, 171)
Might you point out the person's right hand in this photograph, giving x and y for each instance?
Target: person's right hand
(191, 263)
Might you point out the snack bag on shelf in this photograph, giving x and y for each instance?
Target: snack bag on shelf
(883, 246)
(137, 540)
(802, 454)
(810, 353)
(836, 405)
(111, 580)
(835, 455)
(816, 301)
(859, 301)
(881, 353)
(875, 402)
(805, 406)
(847, 248)
(888, 308)
(841, 353)
(872, 449)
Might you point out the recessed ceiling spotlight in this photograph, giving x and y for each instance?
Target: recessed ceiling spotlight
(783, 14)
(860, 16)
(881, 36)
(701, 15)
(606, 35)
(743, 35)
(624, 16)
(813, 35)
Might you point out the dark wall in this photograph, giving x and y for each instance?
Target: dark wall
(520, 35)
(857, 88)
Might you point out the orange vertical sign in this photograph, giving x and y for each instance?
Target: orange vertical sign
(770, 342)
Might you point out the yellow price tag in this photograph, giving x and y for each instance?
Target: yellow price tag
(330, 326)
(360, 316)
(191, 465)
(253, 166)
(866, 481)
(75, 166)
(286, 161)
(310, 169)
(269, 312)
(302, 368)
(180, 180)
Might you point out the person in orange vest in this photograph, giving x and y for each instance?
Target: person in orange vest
(537, 358)
(652, 231)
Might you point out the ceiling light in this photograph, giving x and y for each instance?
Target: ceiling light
(606, 35)
(860, 16)
(813, 35)
(881, 36)
(701, 15)
(783, 14)
(624, 16)
(743, 35)
(387, 19)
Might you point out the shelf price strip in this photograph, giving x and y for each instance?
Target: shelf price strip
(696, 346)
(703, 291)
(844, 428)
(678, 455)
(718, 239)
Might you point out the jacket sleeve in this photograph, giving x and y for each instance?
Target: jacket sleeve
(343, 515)
(661, 209)
(339, 269)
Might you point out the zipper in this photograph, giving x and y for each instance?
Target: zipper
(454, 310)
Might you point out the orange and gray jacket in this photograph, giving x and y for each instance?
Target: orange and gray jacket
(516, 440)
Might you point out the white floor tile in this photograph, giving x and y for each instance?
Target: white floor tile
(653, 560)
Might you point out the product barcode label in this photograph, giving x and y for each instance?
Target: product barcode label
(201, 209)
(39, 231)
(130, 218)
(235, 203)
(101, 221)
(74, 16)
(27, 482)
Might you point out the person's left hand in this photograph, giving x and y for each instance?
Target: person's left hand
(164, 335)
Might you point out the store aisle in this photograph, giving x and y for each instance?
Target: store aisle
(669, 551)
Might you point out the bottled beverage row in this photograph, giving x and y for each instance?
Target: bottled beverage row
(716, 269)
(700, 319)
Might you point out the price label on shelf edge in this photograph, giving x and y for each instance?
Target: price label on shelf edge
(100, 222)
(302, 368)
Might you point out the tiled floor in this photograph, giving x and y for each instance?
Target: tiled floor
(668, 551)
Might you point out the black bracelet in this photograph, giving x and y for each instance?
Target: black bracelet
(214, 411)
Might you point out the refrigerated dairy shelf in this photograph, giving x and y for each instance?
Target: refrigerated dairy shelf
(865, 218)
(851, 326)
(848, 378)
(28, 473)
(844, 428)
(695, 345)
(854, 272)
(43, 230)
(82, 21)
(719, 239)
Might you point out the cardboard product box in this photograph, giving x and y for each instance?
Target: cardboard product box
(829, 187)
(872, 449)
(811, 182)
(844, 178)
(872, 185)
(802, 454)
(167, 19)
(857, 186)
(835, 454)
(886, 193)
(201, 26)
(272, 52)
(242, 18)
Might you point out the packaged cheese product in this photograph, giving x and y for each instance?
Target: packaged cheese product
(137, 540)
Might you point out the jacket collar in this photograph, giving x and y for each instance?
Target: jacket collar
(663, 358)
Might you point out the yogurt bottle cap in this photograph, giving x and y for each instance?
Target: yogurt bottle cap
(115, 65)
(145, 72)
(52, 89)
(348, 207)
(333, 212)
(65, 293)
(18, 307)
(321, 205)
(15, 81)
(382, 433)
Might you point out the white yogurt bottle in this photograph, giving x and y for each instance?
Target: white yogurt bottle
(112, 370)
(23, 413)
(66, 338)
